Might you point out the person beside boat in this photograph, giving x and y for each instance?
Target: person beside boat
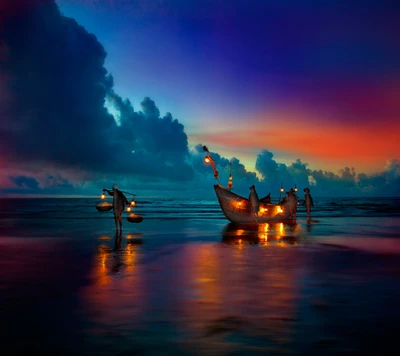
(292, 201)
(308, 202)
(254, 201)
(119, 201)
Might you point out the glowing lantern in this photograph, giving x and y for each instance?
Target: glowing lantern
(207, 160)
(103, 205)
(133, 203)
(282, 190)
(128, 209)
(279, 210)
(295, 188)
(230, 186)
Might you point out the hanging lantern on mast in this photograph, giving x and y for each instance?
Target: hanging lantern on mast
(208, 159)
(230, 186)
(230, 182)
(280, 193)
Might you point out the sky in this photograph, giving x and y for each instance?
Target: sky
(293, 92)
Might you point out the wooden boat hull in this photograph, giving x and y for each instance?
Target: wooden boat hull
(237, 209)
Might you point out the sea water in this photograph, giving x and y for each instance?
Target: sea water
(186, 281)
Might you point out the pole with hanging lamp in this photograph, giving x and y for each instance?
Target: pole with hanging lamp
(230, 182)
(208, 159)
(103, 205)
(133, 218)
(281, 190)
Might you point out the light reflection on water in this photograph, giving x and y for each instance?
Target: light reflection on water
(251, 289)
(201, 291)
(263, 234)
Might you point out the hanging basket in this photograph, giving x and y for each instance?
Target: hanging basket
(134, 218)
(104, 206)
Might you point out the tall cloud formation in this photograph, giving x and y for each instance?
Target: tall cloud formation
(56, 136)
(55, 85)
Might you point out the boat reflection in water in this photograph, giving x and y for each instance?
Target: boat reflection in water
(267, 233)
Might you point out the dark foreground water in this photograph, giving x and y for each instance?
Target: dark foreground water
(185, 282)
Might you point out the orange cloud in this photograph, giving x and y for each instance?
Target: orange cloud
(324, 144)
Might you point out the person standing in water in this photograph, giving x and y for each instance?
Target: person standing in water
(254, 201)
(292, 200)
(119, 201)
(308, 202)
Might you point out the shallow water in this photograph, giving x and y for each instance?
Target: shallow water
(198, 286)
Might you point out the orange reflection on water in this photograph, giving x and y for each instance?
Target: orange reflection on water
(241, 290)
(205, 290)
(116, 292)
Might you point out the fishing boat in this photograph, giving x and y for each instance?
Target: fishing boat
(237, 209)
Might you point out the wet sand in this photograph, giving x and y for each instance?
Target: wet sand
(171, 288)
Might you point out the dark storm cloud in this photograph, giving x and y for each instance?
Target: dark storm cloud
(55, 83)
(156, 146)
(270, 170)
